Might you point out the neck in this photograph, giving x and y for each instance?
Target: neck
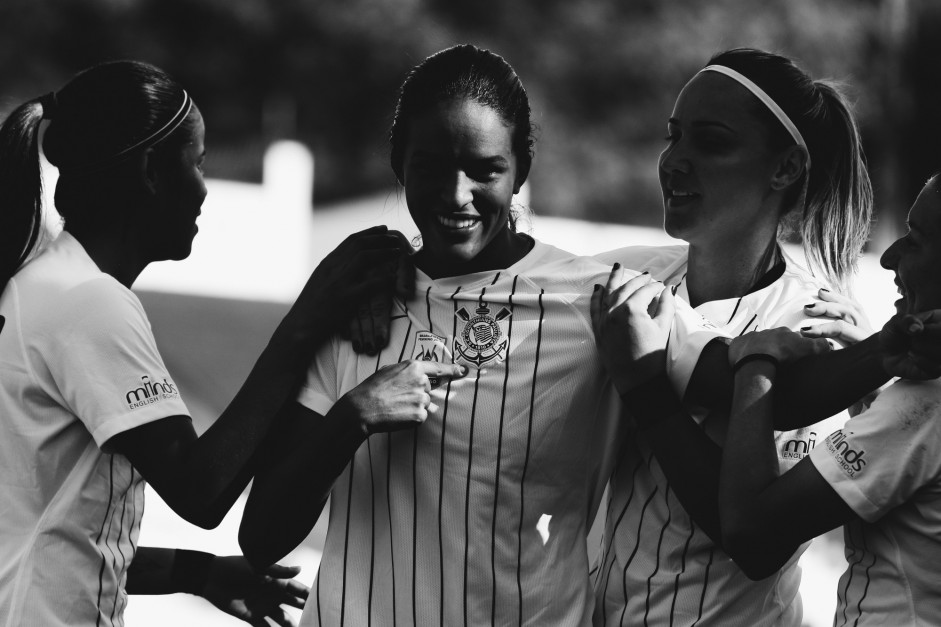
(113, 254)
(499, 255)
(720, 272)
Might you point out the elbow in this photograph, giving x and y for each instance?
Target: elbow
(257, 547)
(753, 553)
(197, 512)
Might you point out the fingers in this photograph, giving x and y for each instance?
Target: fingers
(666, 308)
(839, 330)
(441, 371)
(277, 571)
(838, 311)
(625, 290)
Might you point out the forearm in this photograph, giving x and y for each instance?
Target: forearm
(167, 571)
(215, 468)
(809, 390)
(294, 477)
(749, 466)
(686, 454)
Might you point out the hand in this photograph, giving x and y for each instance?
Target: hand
(237, 589)
(850, 324)
(631, 321)
(911, 347)
(369, 328)
(781, 343)
(365, 263)
(398, 396)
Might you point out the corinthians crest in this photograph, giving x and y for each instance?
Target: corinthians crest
(480, 340)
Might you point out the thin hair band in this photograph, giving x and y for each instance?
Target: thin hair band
(154, 138)
(766, 100)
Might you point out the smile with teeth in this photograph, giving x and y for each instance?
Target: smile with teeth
(457, 222)
(680, 194)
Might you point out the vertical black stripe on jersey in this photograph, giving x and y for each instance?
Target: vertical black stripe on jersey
(529, 441)
(852, 564)
(705, 583)
(496, 491)
(663, 529)
(372, 511)
(630, 560)
(745, 328)
(117, 543)
(676, 580)
(467, 503)
(101, 569)
(470, 465)
(444, 430)
(859, 604)
(735, 311)
(351, 467)
(611, 549)
(415, 480)
(408, 332)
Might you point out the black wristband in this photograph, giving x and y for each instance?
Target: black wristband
(755, 357)
(190, 570)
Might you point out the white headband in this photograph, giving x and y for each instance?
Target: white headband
(768, 102)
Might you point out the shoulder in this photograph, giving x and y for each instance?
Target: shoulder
(651, 258)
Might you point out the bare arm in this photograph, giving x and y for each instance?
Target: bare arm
(761, 528)
(200, 478)
(300, 464)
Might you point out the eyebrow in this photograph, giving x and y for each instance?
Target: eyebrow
(703, 123)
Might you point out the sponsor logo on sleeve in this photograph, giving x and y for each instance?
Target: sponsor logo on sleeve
(150, 392)
(798, 447)
(850, 459)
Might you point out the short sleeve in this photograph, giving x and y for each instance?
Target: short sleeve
(321, 387)
(106, 363)
(688, 337)
(881, 457)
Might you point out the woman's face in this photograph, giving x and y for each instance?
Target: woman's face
(181, 192)
(716, 171)
(916, 257)
(460, 174)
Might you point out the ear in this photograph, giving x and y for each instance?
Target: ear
(148, 170)
(791, 166)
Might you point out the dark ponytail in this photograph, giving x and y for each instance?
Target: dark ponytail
(20, 187)
(831, 205)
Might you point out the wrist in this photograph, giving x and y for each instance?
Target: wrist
(756, 360)
(190, 570)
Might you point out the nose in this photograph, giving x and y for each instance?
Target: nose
(890, 257)
(458, 190)
(673, 158)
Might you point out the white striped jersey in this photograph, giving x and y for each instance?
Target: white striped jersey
(657, 567)
(480, 515)
(78, 365)
(885, 464)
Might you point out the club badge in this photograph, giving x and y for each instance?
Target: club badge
(480, 340)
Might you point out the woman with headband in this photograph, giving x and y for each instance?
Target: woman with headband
(88, 410)
(756, 148)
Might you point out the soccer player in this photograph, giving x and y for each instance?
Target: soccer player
(755, 147)
(879, 476)
(478, 515)
(88, 410)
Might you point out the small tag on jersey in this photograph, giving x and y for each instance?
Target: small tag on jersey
(430, 347)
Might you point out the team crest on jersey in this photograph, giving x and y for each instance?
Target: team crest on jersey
(482, 338)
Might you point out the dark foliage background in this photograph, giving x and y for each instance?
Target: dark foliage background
(602, 77)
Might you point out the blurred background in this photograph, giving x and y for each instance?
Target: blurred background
(298, 96)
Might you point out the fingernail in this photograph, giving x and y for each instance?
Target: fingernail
(357, 346)
(823, 289)
(805, 328)
(646, 272)
(810, 306)
(675, 287)
(617, 266)
(463, 370)
(597, 287)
